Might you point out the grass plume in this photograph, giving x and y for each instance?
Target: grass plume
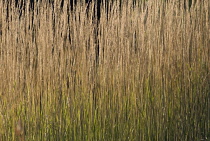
(151, 82)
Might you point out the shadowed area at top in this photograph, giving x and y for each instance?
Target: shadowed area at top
(21, 4)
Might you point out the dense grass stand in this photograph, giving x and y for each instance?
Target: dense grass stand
(129, 70)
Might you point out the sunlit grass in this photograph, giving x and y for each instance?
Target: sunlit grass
(151, 82)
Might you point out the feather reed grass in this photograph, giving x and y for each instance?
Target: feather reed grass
(151, 81)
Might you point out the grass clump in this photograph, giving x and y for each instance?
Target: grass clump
(149, 81)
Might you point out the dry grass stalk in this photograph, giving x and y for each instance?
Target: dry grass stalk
(19, 131)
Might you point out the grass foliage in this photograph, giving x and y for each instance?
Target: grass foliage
(151, 80)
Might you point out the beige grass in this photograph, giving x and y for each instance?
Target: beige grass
(152, 81)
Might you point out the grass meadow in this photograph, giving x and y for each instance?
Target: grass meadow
(150, 80)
